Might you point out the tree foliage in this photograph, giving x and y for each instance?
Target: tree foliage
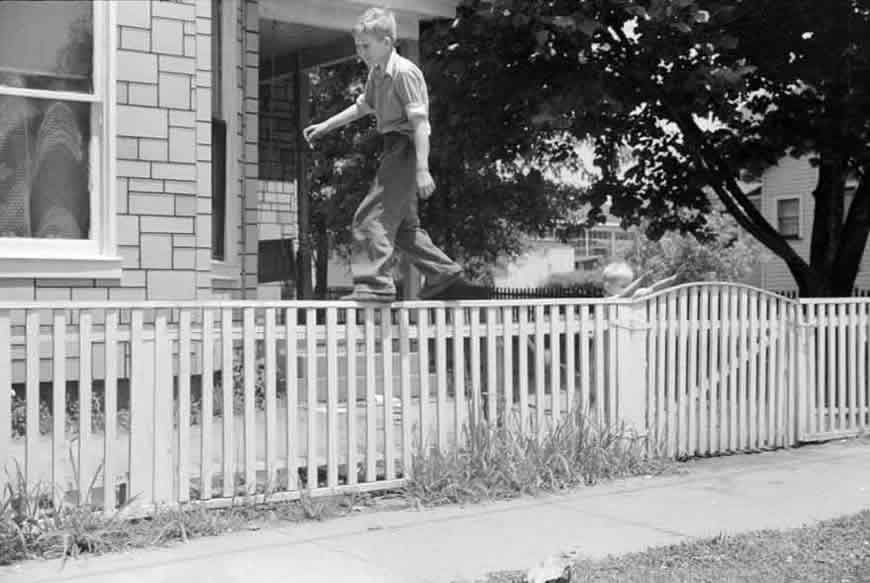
(704, 93)
(720, 251)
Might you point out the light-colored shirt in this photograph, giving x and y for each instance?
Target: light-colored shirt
(396, 95)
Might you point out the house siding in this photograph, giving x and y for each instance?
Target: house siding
(163, 165)
(794, 177)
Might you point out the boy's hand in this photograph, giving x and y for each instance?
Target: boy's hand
(425, 184)
(314, 132)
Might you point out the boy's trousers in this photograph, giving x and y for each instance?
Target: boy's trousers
(387, 219)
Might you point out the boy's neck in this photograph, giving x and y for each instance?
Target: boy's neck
(381, 66)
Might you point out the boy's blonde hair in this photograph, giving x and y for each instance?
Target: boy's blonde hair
(377, 22)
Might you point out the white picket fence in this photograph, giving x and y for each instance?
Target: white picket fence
(329, 398)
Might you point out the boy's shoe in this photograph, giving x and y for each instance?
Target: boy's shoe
(456, 288)
(367, 296)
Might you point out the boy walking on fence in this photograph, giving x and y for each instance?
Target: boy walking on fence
(387, 218)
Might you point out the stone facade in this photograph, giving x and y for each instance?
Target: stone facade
(163, 163)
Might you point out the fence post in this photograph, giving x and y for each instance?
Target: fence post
(802, 361)
(631, 365)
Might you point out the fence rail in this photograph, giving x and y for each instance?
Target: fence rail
(209, 402)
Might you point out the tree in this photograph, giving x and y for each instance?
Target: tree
(704, 93)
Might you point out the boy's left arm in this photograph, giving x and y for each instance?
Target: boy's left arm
(411, 88)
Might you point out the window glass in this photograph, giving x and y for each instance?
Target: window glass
(788, 219)
(44, 168)
(47, 45)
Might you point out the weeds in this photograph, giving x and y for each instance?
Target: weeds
(500, 462)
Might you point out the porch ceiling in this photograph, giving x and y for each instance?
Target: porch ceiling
(279, 38)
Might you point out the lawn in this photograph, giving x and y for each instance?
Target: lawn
(833, 550)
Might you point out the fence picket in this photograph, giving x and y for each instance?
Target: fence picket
(862, 356)
(387, 368)
(852, 360)
(332, 398)
(693, 384)
(840, 385)
(682, 396)
(249, 378)
(206, 417)
(183, 419)
(570, 358)
(423, 350)
(540, 372)
(441, 375)
(556, 363)
(7, 469)
(405, 384)
(703, 382)
(476, 402)
(491, 370)
(351, 342)
(831, 389)
(763, 391)
(507, 361)
(110, 409)
(311, 400)
(270, 397)
(523, 367)
(32, 398)
(459, 375)
(671, 388)
(291, 364)
(58, 413)
(753, 348)
(227, 402)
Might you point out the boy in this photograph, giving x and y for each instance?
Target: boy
(396, 94)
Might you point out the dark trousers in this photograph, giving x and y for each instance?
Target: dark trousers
(388, 220)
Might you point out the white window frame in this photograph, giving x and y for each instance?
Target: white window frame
(800, 216)
(95, 257)
(230, 268)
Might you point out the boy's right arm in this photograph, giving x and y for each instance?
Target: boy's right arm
(341, 119)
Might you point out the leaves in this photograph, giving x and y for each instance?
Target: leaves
(699, 93)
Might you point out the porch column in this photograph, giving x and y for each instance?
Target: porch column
(303, 194)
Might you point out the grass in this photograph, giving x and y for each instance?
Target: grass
(833, 550)
(499, 462)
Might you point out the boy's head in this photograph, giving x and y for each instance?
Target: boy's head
(375, 34)
(617, 276)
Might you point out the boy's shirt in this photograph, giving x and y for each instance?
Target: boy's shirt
(396, 95)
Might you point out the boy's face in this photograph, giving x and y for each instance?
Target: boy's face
(373, 50)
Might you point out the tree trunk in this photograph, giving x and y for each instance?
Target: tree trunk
(853, 242)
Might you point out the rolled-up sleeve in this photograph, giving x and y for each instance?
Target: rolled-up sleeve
(366, 100)
(411, 89)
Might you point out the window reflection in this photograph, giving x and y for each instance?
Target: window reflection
(44, 142)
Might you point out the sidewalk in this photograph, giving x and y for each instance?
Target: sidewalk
(731, 494)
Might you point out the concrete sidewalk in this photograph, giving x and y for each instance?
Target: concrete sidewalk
(731, 494)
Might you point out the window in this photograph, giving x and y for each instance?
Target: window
(218, 140)
(226, 105)
(57, 139)
(788, 217)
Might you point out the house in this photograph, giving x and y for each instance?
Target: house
(130, 137)
(786, 201)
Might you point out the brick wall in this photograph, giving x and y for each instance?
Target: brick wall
(157, 135)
